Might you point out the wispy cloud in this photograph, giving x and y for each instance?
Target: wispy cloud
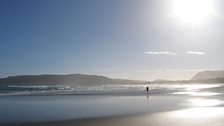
(195, 53)
(160, 53)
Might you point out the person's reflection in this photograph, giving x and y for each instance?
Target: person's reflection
(147, 90)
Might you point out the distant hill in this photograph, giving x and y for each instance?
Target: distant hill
(92, 80)
(70, 80)
(201, 77)
(209, 75)
(160, 81)
(210, 81)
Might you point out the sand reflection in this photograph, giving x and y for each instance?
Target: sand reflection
(202, 112)
(205, 102)
(193, 93)
(202, 108)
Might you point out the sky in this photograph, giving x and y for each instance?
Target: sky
(130, 39)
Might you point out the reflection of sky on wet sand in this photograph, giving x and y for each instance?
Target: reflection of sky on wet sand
(201, 108)
(196, 116)
(201, 112)
(193, 93)
(205, 102)
(195, 90)
(201, 86)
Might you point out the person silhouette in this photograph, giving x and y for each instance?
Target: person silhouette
(147, 89)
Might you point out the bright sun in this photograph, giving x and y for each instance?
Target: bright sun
(192, 11)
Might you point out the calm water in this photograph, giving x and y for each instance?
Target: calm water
(28, 108)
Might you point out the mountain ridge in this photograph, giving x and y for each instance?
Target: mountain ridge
(206, 75)
(68, 79)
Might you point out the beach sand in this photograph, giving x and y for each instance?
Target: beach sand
(173, 118)
(180, 109)
(208, 113)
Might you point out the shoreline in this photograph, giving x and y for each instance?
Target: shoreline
(132, 90)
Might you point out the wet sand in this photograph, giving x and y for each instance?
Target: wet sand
(214, 117)
(185, 109)
(208, 113)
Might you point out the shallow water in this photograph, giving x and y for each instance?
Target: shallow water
(101, 89)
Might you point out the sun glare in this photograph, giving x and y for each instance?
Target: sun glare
(205, 102)
(201, 113)
(193, 11)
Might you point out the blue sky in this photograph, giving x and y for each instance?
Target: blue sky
(117, 38)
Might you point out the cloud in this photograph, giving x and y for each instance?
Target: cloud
(195, 53)
(160, 53)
